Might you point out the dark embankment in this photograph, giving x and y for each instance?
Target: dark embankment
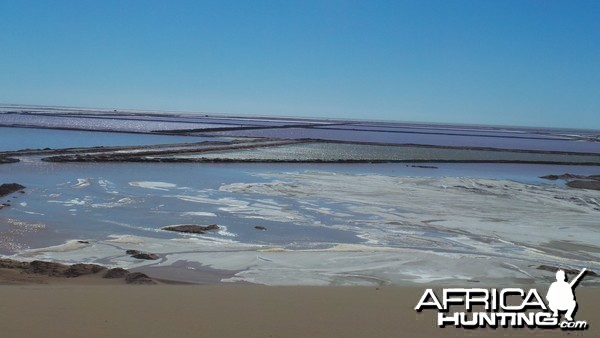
(6, 160)
(191, 228)
(141, 159)
(9, 188)
(591, 182)
(58, 270)
(580, 184)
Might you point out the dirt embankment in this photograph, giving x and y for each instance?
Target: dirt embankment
(591, 182)
(17, 272)
(9, 188)
(6, 160)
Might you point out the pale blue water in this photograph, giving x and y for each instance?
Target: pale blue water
(24, 138)
(91, 123)
(93, 201)
(109, 205)
(350, 151)
(136, 123)
(421, 139)
(85, 212)
(443, 131)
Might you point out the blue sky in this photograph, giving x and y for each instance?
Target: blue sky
(491, 62)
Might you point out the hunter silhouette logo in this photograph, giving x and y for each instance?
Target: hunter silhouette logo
(561, 296)
(508, 307)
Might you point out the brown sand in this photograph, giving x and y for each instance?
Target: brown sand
(85, 310)
(34, 305)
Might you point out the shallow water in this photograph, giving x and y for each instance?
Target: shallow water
(91, 123)
(445, 130)
(96, 200)
(336, 151)
(31, 138)
(326, 223)
(424, 139)
(459, 212)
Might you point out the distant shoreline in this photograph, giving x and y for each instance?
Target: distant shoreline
(120, 159)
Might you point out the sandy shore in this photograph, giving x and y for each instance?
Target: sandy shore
(238, 311)
(38, 305)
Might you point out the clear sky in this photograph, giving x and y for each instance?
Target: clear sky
(492, 62)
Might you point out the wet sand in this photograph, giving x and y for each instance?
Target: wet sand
(240, 311)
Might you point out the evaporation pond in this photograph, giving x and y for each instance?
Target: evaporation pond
(30, 138)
